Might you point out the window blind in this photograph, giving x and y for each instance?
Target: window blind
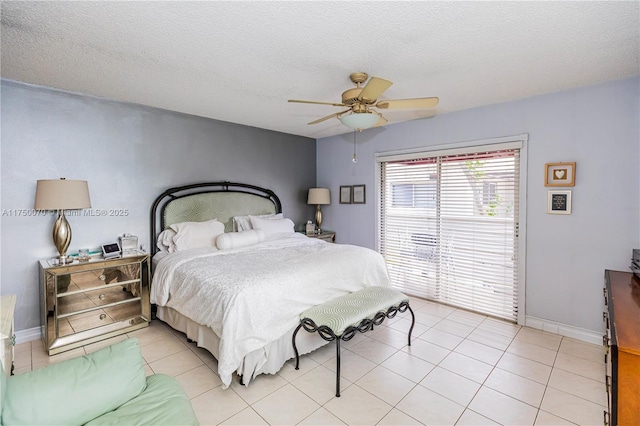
(448, 228)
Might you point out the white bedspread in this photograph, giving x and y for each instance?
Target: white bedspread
(254, 295)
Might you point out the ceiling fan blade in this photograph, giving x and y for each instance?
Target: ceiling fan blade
(320, 120)
(414, 103)
(374, 88)
(381, 122)
(314, 102)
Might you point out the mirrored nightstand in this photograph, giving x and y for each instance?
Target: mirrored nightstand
(328, 236)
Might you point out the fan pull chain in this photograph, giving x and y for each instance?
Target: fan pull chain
(354, 159)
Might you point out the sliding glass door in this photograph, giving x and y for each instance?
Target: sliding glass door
(448, 226)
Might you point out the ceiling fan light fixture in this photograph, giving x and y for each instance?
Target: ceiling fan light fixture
(360, 120)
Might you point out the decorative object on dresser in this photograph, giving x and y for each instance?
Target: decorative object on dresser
(7, 334)
(560, 174)
(622, 348)
(128, 244)
(328, 236)
(93, 300)
(345, 194)
(319, 196)
(62, 194)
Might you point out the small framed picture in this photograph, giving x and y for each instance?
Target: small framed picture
(345, 194)
(559, 202)
(358, 194)
(560, 174)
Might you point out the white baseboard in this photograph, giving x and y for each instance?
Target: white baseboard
(583, 334)
(28, 335)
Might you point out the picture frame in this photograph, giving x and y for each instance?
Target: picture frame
(345, 194)
(559, 202)
(560, 174)
(359, 194)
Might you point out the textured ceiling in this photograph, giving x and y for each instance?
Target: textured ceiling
(241, 61)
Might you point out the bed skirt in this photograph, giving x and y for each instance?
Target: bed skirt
(267, 360)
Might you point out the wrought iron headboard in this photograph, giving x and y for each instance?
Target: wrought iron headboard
(209, 200)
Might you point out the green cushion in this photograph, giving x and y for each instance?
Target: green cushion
(163, 402)
(351, 309)
(77, 390)
(3, 386)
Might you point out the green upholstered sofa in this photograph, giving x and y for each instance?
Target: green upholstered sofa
(106, 387)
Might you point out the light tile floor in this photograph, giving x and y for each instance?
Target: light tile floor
(462, 368)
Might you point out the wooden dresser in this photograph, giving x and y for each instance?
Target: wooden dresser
(622, 345)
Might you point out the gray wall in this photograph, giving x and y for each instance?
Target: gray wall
(129, 154)
(597, 127)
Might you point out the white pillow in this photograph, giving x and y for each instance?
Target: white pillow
(232, 240)
(165, 241)
(243, 223)
(196, 234)
(272, 226)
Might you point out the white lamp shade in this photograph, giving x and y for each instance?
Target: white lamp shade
(62, 194)
(319, 196)
(360, 121)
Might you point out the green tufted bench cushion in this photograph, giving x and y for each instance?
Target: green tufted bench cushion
(352, 308)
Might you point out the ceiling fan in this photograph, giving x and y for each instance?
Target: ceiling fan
(360, 102)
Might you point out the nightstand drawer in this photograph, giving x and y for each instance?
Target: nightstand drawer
(89, 327)
(327, 236)
(83, 300)
(96, 278)
(98, 317)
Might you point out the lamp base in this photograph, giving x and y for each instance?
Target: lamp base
(319, 218)
(64, 260)
(62, 237)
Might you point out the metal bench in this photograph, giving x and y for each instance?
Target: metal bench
(339, 319)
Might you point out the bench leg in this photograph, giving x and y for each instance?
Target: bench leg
(295, 349)
(338, 367)
(413, 321)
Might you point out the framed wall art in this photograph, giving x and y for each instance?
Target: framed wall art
(559, 202)
(560, 174)
(359, 194)
(345, 194)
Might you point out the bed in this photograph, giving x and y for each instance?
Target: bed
(230, 272)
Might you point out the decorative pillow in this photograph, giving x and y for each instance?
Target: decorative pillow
(196, 234)
(232, 240)
(243, 223)
(272, 226)
(165, 241)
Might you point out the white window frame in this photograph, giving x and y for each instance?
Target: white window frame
(505, 142)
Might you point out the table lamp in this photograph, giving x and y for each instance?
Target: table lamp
(319, 196)
(61, 194)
